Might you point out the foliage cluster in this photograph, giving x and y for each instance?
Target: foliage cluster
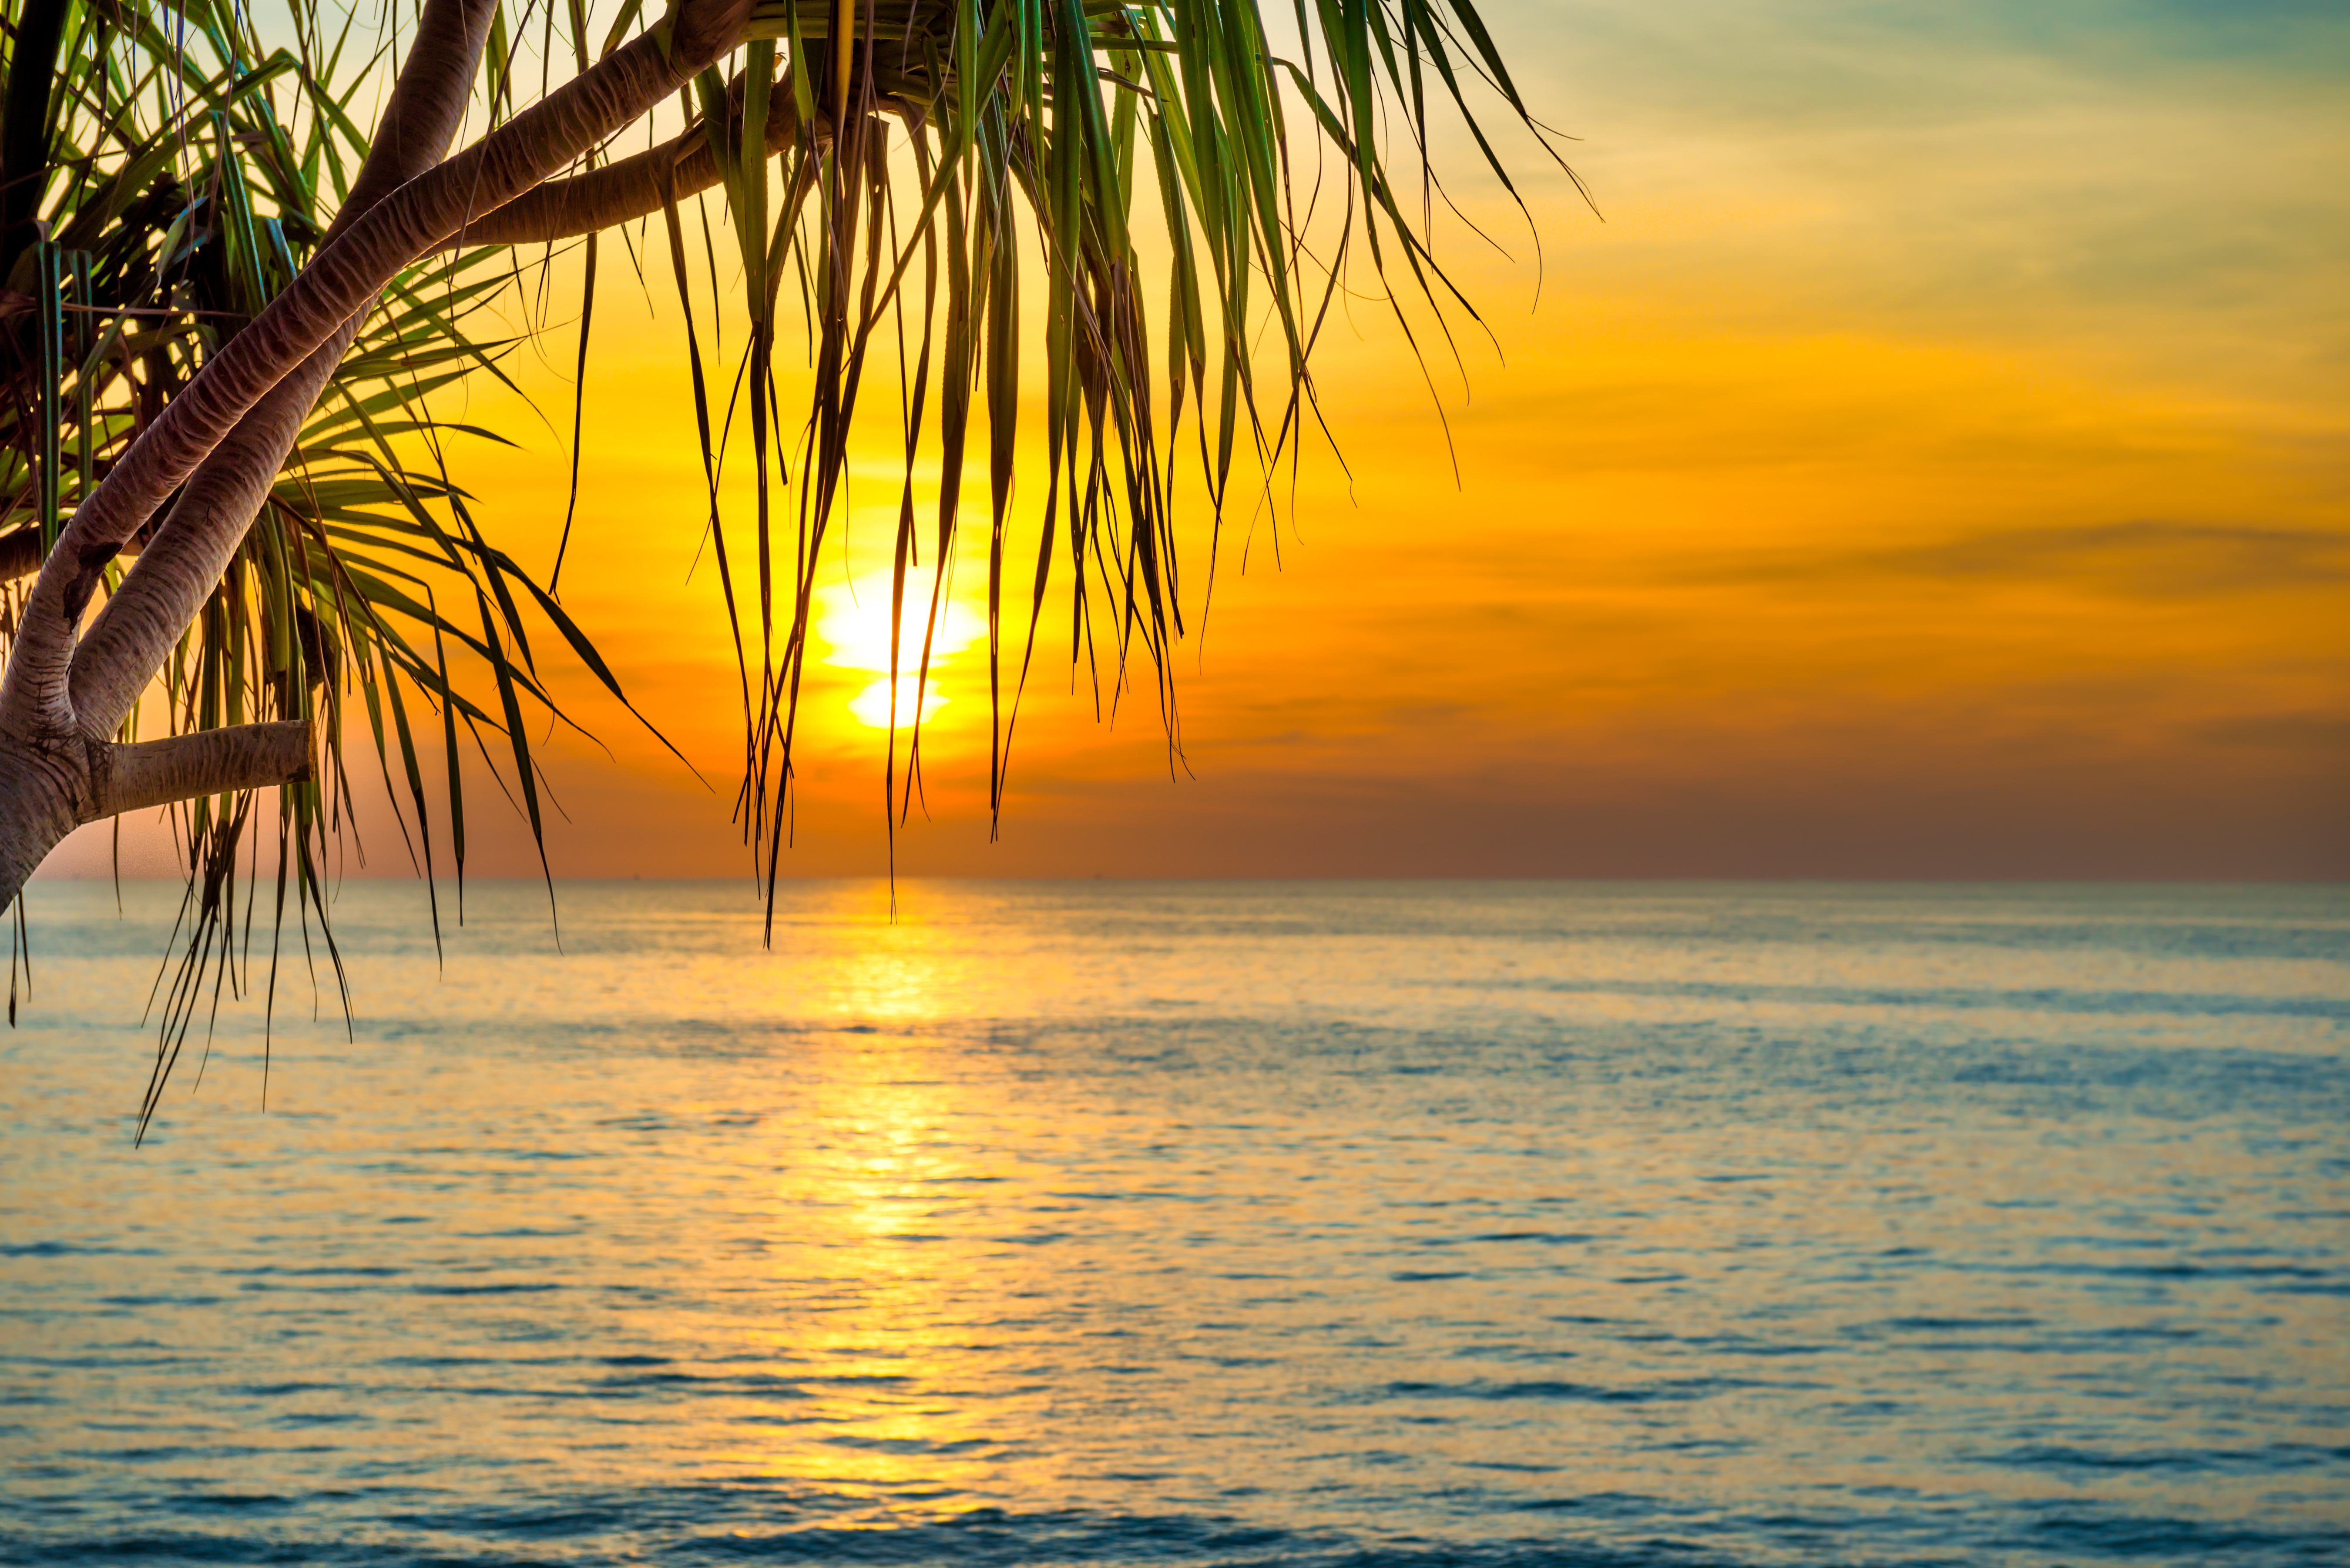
(913, 168)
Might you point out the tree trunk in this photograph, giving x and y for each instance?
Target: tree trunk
(50, 786)
(225, 435)
(44, 795)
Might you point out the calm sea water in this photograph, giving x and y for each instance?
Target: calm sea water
(1111, 1223)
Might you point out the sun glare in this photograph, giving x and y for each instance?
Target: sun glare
(855, 627)
(871, 706)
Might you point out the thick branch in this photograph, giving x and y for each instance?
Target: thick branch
(426, 107)
(421, 116)
(20, 552)
(43, 791)
(144, 618)
(628, 188)
(49, 787)
(337, 284)
(179, 568)
(151, 774)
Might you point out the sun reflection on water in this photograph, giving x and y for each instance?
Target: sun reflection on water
(873, 1217)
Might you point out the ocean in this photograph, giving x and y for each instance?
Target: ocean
(1382, 1225)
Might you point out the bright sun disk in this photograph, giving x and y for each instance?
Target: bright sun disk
(871, 705)
(855, 630)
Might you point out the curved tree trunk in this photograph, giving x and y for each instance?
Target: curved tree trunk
(142, 621)
(225, 435)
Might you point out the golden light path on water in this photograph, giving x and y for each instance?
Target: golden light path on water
(888, 1345)
(871, 1341)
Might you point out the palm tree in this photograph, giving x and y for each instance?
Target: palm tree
(167, 175)
(903, 162)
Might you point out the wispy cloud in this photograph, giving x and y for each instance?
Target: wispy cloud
(2144, 557)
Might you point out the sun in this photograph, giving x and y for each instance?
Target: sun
(853, 622)
(872, 705)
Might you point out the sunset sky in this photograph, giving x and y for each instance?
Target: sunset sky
(1933, 461)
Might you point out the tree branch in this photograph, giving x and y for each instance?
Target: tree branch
(426, 108)
(339, 282)
(144, 618)
(180, 566)
(630, 187)
(50, 786)
(151, 774)
(43, 791)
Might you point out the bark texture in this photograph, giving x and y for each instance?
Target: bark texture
(44, 786)
(226, 434)
(342, 280)
(51, 787)
(629, 188)
(210, 761)
(143, 619)
(175, 573)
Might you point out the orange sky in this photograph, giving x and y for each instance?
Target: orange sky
(1937, 464)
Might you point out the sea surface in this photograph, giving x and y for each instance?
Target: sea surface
(1377, 1225)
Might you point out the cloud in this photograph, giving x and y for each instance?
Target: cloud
(2142, 558)
(2323, 734)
